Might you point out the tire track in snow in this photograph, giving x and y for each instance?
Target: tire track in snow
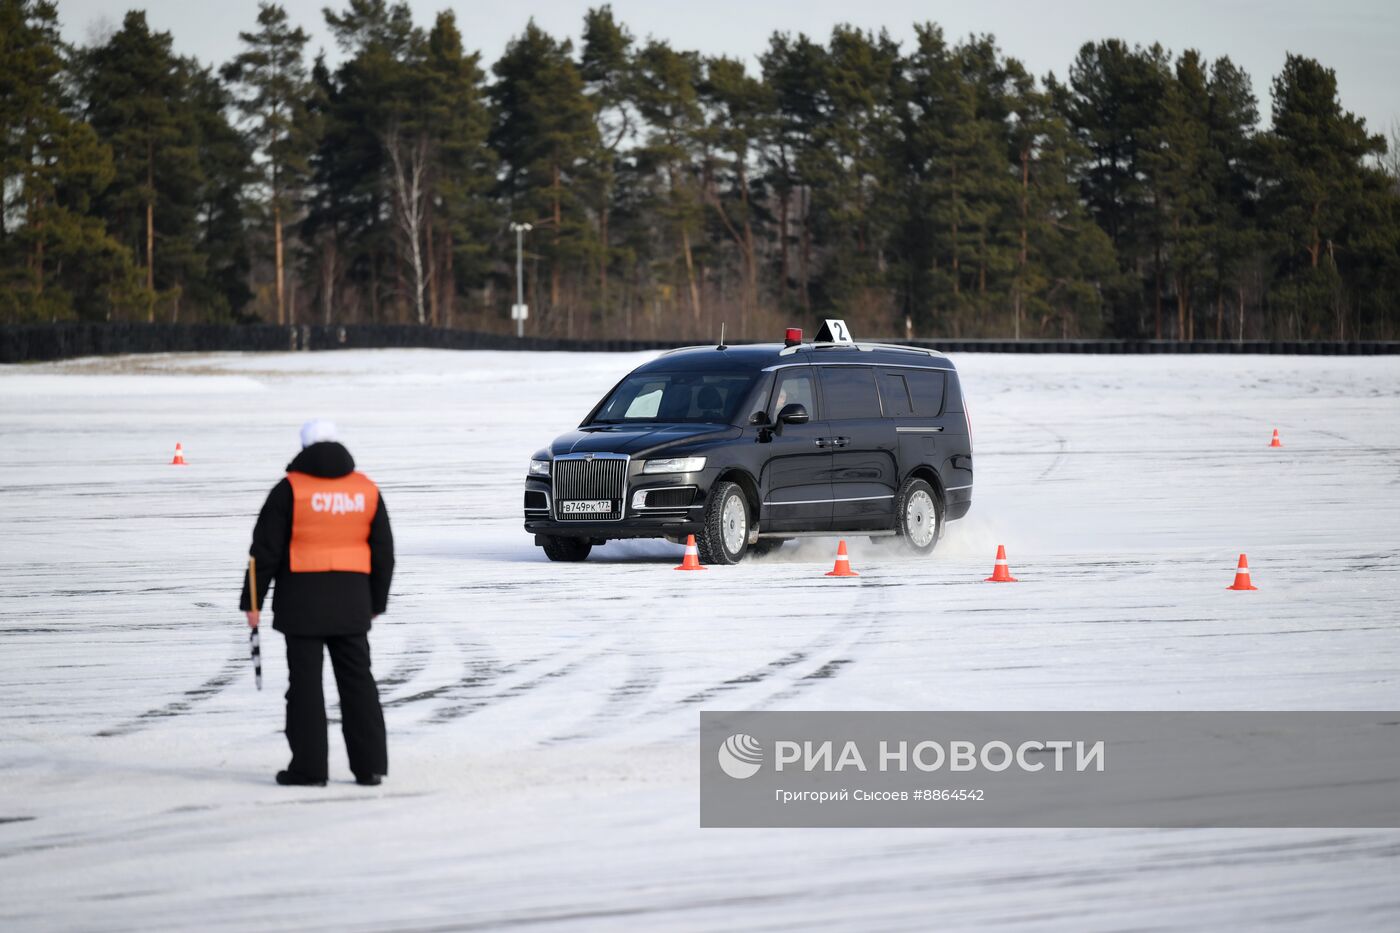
(475, 703)
(483, 672)
(418, 654)
(410, 665)
(474, 689)
(629, 695)
(871, 598)
(211, 687)
(1061, 445)
(792, 673)
(1386, 453)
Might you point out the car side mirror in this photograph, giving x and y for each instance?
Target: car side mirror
(793, 413)
(759, 419)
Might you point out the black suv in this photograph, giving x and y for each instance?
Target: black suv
(748, 446)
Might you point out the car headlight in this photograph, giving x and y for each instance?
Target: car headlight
(539, 467)
(675, 465)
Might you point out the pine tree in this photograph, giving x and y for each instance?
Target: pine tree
(738, 122)
(958, 182)
(1114, 101)
(328, 222)
(927, 96)
(1315, 157)
(545, 134)
(271, 74)
(56, 259)
(221, 289)
(982, 163)
(1178, 171)
(463, 167)
(669, 103)
(136, 101)
(369, 101)
(1232, 177)
(608, 71)
(851, 198)
(793, 68)
(1070, 263)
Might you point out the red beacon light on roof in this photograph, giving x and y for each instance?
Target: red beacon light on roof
(793, 337)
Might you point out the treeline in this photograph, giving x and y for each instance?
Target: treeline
(930, 189)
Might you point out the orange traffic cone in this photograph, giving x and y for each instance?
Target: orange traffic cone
(179, 456)
(692, 556)
(1242, 576)
(1002, 572)
(1275, 442)
(843, 563)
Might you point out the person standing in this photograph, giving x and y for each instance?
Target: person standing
(323, 535)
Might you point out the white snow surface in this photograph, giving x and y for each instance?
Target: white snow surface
(543, 718)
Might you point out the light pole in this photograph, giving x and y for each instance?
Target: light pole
(519, 311)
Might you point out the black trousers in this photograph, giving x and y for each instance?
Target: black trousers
(361, 718)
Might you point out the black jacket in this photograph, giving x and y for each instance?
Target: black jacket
(329, 603)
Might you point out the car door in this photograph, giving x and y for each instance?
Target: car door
(796, 476)
(914, 399)
(864, 470)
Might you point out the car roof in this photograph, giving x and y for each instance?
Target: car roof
(760, 356)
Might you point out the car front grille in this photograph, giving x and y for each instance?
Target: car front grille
(604, 476)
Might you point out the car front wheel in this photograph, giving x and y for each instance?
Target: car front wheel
(566, 549)
(724, 538)
(765, 546)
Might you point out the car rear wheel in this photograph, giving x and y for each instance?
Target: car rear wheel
(566, 549)
(919, 515)
(724, 538)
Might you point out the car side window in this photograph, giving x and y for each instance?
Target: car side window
(894, 394)
(793, 386)
(926, 390)
(849, 392)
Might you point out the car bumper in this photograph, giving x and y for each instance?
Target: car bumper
(958, 504)
(639, 520)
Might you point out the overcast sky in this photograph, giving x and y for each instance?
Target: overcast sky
(1360, 39)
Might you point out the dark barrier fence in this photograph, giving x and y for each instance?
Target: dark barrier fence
(37, 342)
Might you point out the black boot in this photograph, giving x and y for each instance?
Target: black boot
(369, 780)
(293, 779)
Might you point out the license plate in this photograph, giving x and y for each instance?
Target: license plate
(586, 506)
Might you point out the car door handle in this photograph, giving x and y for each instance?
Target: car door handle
(821, 442)
(840, 441)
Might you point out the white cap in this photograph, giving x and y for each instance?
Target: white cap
(317, 430)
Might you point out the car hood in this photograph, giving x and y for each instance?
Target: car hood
(635, 439)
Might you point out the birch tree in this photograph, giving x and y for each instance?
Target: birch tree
(408, 185)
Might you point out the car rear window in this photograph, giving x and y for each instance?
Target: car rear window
(849, 392)
(894, 394)
(926, 390)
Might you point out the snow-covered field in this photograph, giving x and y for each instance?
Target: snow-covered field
(543, 717)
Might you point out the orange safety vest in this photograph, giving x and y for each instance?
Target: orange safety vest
(330, 522)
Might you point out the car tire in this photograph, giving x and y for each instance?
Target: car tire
(918, 516)
(566, 549)
(724, 534)
(765, 546)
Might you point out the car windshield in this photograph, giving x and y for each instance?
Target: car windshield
(670, 398)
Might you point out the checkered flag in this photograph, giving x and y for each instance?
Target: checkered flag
(254, 642)
(256, 645)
